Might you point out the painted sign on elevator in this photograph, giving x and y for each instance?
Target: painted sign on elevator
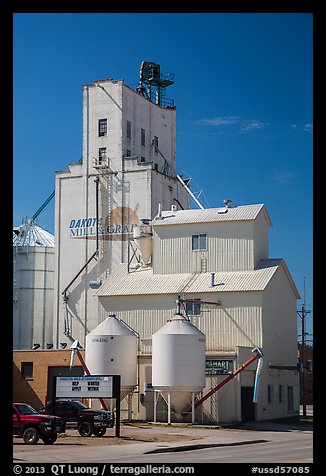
(118, 225)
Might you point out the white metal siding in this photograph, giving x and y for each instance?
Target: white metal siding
(33, 310)
(230, 247)
(236, 322)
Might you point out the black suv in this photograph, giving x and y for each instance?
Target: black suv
(77, 415)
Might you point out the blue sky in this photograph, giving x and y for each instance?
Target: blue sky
(244, 97)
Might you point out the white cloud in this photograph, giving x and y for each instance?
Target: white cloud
(284, 177)
(240, 125)
(252, 124)
(308, 127)
(219, 121)
(299, 127)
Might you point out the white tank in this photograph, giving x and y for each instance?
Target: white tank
(33, 284)
(178, 361)
(111, 349)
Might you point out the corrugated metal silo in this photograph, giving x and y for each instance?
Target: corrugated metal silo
(33, 282)
(178, 362)
(111, 349)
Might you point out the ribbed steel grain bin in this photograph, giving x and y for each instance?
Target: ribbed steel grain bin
(178, 361)
(111, 349)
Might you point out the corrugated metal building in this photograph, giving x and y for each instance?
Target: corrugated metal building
(127, 173)
(257, 304)
(33, 271)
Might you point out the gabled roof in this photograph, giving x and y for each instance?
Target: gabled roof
(145, 282)
(240, 213)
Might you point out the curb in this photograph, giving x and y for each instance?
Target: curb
(202, 446)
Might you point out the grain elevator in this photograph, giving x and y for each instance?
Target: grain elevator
(128, 248)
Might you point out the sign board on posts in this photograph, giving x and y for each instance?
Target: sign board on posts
(85, 387)
(89, 386)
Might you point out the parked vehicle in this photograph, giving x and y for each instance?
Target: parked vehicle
(31, 426)
(77, 415)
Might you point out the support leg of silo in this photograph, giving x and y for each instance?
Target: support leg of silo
(192, 407)
(155, 404)
(169, 408)
(129, 406)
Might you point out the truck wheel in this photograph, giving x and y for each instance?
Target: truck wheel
(99, 431)
(49, 439)
(85, 428)
(31, 436)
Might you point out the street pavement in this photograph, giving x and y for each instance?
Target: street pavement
(140, 442)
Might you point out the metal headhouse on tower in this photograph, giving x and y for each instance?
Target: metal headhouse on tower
(152, 84)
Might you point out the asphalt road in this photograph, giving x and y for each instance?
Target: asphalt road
(231, 446)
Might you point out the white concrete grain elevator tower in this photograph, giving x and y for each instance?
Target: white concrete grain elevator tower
(127, 169)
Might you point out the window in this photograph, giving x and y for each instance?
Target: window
(280, 393)
(270, 393)
(142, 136)
(101, 155)
(142, 159)
(129, 129)
(27, 370)
(102, 127)
(128, 153)
(290, 399)
(199, 242)
(193, 308)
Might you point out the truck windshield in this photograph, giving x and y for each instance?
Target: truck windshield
(26, 409)
(78, 405)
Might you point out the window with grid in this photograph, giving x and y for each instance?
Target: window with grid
(102, 127)
(101, 155)
(193, 308)
(199, 242)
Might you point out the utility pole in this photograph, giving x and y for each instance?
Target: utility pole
(302, 314)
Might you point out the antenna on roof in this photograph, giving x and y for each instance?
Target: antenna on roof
(227, 202)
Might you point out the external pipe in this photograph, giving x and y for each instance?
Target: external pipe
(257, 378)
(257, 355)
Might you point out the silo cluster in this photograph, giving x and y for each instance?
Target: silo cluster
(178, 360)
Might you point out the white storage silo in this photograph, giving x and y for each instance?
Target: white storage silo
(111, 349)
(33, 285)
(178, 363)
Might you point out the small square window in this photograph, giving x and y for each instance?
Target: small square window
(27, 369)
(199, 242)
(101, 155)
(102, 127)
(193, 308)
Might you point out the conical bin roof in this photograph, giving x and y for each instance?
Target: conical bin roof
(30, 234)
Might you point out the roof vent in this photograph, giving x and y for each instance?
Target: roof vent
(227, 202)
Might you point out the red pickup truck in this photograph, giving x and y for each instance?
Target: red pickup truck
(31, 426)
